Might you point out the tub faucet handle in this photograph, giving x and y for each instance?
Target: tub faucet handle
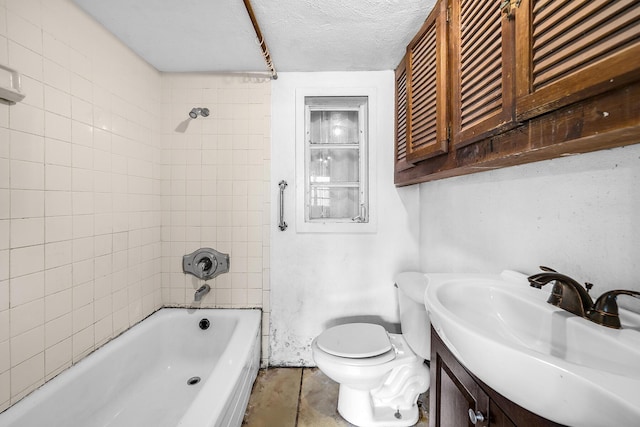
(205, 263)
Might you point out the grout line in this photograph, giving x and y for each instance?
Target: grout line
(299, 396)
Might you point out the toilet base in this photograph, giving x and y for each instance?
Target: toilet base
(356, 407)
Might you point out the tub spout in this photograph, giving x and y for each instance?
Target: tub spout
(202, 291)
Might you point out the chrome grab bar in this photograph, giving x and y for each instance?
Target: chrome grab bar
(282, 225)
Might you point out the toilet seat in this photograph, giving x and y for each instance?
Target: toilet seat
(355, 340)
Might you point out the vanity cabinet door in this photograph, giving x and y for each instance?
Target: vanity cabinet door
(453, 392)
(569, 50)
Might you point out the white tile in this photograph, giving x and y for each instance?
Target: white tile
(26, 345)
(58, 356)
(81, 156)
(82, 203)
(82, 226)
(5, 360)
(57, 126)
(82, 318)
(57, 279)
(4, 295)
(27, 232)
(27, 61)
(81, 89)
(26, 260)
(57, 177)
(103, 330)
(81, 110)
(82, 179)
(5, 173)
(57, 254)
(4, 264)
(57, 102)
(35, 89)
(27, 374)
(57, 152)
(57, 305)
(29, 10)
(26, 118)
(57, 203)
(56, 76)
(58, 228)
(27, 175)
(26, 317)
(55, 50)
(26, 146)
(83, 271)
(81, 133)
(5, 332)
(83, 342)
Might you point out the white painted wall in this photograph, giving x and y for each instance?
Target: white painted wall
(579, 215)
(319, 280)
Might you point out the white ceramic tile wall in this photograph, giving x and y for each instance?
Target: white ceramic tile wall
(105, 184)
(80, 192)
(215, 178)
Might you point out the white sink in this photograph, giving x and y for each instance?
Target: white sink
(551, 362)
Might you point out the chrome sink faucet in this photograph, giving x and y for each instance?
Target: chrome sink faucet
(574, 298)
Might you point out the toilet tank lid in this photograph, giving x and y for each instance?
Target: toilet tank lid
(355, 340)
(413, 284)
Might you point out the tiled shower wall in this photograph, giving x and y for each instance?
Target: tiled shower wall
(79, 192)
(101, 195)
(215, 177)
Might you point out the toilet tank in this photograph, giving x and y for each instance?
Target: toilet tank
(414, 319)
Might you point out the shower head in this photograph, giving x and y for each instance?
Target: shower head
(196, 111)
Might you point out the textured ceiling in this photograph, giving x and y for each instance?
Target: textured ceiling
(302, 35)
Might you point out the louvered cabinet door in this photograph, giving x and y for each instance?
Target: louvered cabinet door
(483, 70)
(569, 50)
(427, 89)
(401, 117)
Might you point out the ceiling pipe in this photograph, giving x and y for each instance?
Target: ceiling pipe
(263, 44)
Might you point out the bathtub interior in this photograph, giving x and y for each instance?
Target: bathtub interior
(145, 376)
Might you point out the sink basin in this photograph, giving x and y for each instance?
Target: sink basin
(551, 362)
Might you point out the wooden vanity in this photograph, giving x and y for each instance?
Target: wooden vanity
(455, 391)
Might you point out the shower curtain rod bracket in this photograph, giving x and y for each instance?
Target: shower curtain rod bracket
(260, 38)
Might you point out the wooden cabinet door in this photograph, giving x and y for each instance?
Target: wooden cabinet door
(427, 88)
(482, 40)
(568, 50)
(453, 392)
(401, 117)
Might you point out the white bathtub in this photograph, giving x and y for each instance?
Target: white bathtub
(141, 378)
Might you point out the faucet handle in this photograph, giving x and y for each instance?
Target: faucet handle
(588, 286)
(605, 309)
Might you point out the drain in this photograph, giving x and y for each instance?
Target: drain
(204, 324)
(193, 380)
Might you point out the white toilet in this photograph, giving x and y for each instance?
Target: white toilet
(380, 374)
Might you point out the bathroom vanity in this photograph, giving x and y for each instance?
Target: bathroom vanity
(457, 397)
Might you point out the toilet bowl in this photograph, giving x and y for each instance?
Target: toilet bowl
(381, 374)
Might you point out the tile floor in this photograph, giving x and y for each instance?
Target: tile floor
(301, 397)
